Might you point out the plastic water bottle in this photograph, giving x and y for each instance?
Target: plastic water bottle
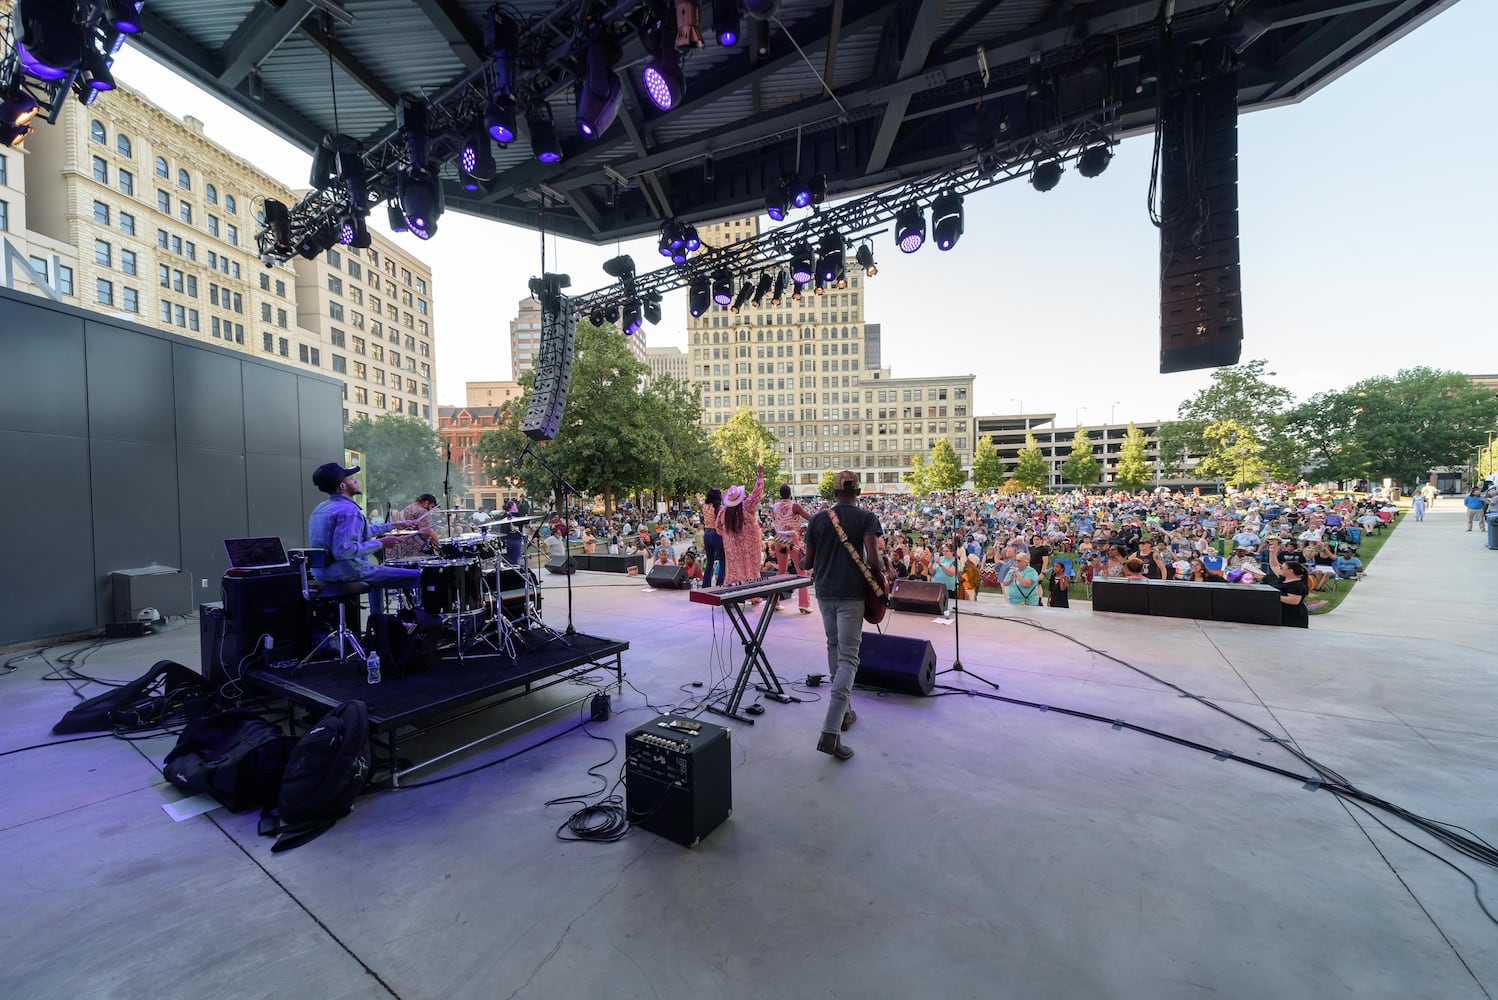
(373, 663)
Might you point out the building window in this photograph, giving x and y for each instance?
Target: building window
(265, 312)
(213, 226)
(163, 202)
(122, 145)
(166, 311)
(334, 259)
(281, 288)
(176, 280)
(335, 310)
(127, 223)
(336, 336)
(161, 169)
(354, 270)
(179, 314)
(96, 130)
(104, 295)
(183, 180)
(264, 282)
(335, 284)
(421, 286)
(101, 170)
(192, 285)
(131, 300)
(2, 171)
(233, 234)
(361, 395)
(340, 364)
(192, 319)
(283, 347)
(161, 240)
(64, 273)
(229, 204)
(190, 251)
(127, 261)
(268, 342)
(281, 318)
(211, 193)
(185, 211)
(164, 274)
(102, 255)
(101, 213)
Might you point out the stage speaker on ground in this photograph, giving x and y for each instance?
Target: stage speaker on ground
(1201, 307)
(553, 366)
(920, 596)
(667, 577)
(561, 565)
(897, 663)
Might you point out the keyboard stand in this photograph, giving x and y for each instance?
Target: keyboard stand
(754, 659)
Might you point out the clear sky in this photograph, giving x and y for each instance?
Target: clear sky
(1367, 216)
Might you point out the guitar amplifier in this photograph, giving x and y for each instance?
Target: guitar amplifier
(677, 778)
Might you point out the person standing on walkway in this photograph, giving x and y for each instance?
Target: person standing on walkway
(842, 549)
(1474, 505)
(1418, 505)
(712, 541)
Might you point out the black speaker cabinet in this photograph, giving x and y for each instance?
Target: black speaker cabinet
(611, 564)
(1181, 599)
(561, 565)
(678, 782)
(256, 606)
(919, 596)
(897, 663)
(1130, 597)
(667, 577)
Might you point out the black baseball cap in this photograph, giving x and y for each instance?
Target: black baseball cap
(329, 475)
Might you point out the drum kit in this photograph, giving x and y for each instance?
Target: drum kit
(487, 601)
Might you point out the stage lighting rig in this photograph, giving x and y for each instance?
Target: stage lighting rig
(761, 10)
(599, 90)
(778, 295)
(817, 189)
(1045, 175)
(699, 296)
(688, 25)
(545, 145)
(622, 267)
(723, 286)
(777, 201)
(662, 75)
(946, 220)
(833, 262)
(421, 200)
(651, 304)
(1094, 160)
(803, 263)
(865, 259)
(726, 21)
(761, 289)
(501, 41)
(745, 290)
(910, 228)
(477, 157)
(632, 317)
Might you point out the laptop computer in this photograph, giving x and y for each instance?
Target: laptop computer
(257, 555)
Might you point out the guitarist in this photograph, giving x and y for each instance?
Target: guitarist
(842, 550)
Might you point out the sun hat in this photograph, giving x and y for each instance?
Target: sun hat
(734, 496)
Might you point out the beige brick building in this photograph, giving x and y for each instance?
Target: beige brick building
(806, 369)
(671, 361)
(127, 209)
(492, 393)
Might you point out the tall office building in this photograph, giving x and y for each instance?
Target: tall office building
(525, 337)
(668, 361)
(805, 368)
(491, 393)
(130, 210)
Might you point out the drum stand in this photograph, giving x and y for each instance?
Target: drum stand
(531, 621)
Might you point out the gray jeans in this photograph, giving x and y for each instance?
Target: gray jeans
(843, 621)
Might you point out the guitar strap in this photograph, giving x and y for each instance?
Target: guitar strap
(857, 559)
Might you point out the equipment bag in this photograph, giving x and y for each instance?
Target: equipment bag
(235, 756)
(168, 689)
(325, 773)
(407, 643)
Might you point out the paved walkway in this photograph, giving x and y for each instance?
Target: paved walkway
(1431, 580)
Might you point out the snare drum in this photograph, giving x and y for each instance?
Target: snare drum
(451, 586)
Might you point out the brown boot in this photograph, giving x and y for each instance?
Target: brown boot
(833, 744)
(849, 717)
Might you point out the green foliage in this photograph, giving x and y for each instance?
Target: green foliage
(1235, 454)
(1133, 469)
(403, 456)
(825, 488)
(499, 452)
(742, 443)
(943, 471)
(988, 471)
(1080, 467)
(1410, 423)
(1247, 409)
(916, 477)
(1324, 427)
(688, 463)
(1032, 471)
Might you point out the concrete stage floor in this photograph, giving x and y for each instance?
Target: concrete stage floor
(972, 848)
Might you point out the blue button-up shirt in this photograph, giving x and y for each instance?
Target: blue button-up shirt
(338, 525)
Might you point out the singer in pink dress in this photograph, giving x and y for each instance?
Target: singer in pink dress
(739, 526)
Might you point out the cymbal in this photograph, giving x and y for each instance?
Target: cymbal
(518, 520)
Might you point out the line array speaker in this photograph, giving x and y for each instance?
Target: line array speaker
(1201, 307)
(548, 400)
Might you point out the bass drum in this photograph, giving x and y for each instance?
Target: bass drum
(451, 586)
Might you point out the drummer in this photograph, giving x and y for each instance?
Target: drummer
(338, 525)
(514, 540)
(424, 540)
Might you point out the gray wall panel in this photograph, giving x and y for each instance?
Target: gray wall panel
(271, 424)
(212, 491)
(210, 399)
(47, 574)
(130, 394)
(274, 485)
(321, 412)
(134, 511)
(42, 383)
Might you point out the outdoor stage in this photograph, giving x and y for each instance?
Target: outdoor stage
(971, 848)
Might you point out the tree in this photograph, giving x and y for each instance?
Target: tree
(687, 461)
(1324, 426)
(742, 443)
(403, 457)
(1234, 454)
(1080, 468)
(825, 489)
(1032, 472)
(1243, 395)
(1132, 470)
(916, 477)
(1418, 420)
(943, 471)
(988, 471)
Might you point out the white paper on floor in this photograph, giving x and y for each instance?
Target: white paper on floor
(187, 808)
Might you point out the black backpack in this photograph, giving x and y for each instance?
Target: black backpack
(326, 771)
(235, 756)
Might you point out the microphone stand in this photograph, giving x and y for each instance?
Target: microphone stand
(566, 489)
(447, 492)
(957, 606)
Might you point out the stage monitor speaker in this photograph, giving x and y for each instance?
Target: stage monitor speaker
(553, 365)
(561, 565)
(1201, 308)
(678, 778)
(920, 596)
(897, 663)
(667, 577)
